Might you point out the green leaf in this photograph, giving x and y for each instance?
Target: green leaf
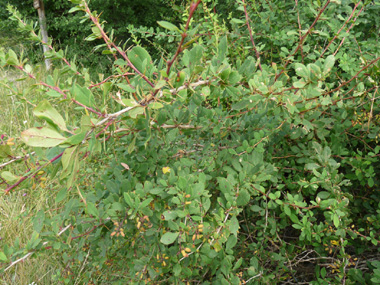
(311, 166)
(61, 195)
(74, 171)
(83, 95)
(231, 242)
(128, 199)
(92, 210)
(323, 272)
(234, 225)
(169, 238)
(11, 58)
(336, 220)
(46, 112)
(156, 105)
(170, 215)
(222, 49)
(3, 257)
(129, 102)
(42, 137)
(302, 70)
(243, 198)
(168, 26)
(238, 264)
(9, 177)
(68, 158)
(75, 139)
(53, 93)
(145, 203)
(177, 269)
(299, 84)
(5, 151)
(371, 182)
(86, 123)
(136, 111)
(126, 87)
(329, 63)
(131, 146)
(240, 105)
(141, 59)
(160, 84)
(287, 210)
(323, 195)
(237, 21)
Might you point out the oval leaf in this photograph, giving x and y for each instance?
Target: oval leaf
(141, 59)
(9, 177)
(84, 96)
(156, 105)
(169, 238)
(42, 137)
(168, 26)
(46, 112)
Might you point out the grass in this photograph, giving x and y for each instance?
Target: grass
(18, 207)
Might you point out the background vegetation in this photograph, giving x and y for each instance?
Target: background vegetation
(206, 146)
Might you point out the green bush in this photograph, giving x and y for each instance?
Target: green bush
(247, 153)
(69, 34)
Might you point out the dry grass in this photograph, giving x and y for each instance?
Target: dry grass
(18, 207)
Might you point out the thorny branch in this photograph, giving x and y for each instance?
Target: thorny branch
(303, 38)
(193, 7)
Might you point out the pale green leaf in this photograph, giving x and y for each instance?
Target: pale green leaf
(46, 112)
(9, 177)
(168, 26)
(169, 238)
(42, 137)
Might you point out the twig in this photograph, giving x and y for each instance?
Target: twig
(303, 38)
(213, 238)
(108, 78)
(31, 253)
(57, 89)
(111, 44)
(371, 112)
(341, 43)
(172, 91)
(82, 267)
(16, 159)
(253, 277)
(193, 7)
(299, 27)
(46, 44)
(27, 176)
(345, 23)
(355, 76)
(250, 35)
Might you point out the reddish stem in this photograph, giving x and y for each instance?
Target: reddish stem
(108, 78)
(193, 7)
(251, 36)
(355, 76)
(341, 43)
(304, 37)
(30, 175)
(111, 44)
(345, 23)
(60, 91)
(299, 28)
(88, 232)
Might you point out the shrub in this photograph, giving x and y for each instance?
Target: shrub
(248, 154)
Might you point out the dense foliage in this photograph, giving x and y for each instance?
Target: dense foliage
(247, 152)
(68, 33)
